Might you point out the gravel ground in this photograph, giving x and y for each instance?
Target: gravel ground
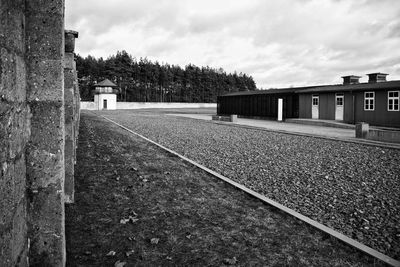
(138, 205)
(352, 188)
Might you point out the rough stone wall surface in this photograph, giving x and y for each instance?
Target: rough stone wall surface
(77, 110)
(33, 132)
(45, 150)
(70, 84)
(14, 133)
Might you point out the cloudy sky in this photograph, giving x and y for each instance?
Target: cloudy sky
(281, 43)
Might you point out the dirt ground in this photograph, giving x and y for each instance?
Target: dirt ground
(136, 205)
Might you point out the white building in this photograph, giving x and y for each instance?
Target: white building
(105, 95)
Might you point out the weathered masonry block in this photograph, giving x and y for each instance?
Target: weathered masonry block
(14, 134)
(70, 86)
(45, 150)
(34, 143)
(362, 130)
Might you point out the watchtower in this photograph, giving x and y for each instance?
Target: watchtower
(105, 95)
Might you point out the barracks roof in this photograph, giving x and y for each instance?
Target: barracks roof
(323, 88)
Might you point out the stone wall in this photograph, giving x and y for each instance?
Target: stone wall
(14, 134)
(71, 118)
(36, 151)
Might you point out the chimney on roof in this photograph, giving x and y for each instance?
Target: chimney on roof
(351, 79)
(377, 77)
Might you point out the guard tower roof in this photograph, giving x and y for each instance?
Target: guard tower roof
(105, 83)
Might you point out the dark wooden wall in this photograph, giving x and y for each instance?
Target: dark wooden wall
(299, 106)
(380, 116)
(353, 108)
(259, 105)
(305, 106)
(327, 106)
(348, 116)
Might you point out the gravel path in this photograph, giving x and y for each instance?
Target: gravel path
(138, 205)
(352, 188)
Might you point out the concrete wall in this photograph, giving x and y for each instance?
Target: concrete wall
(142, 105)
(14, 134)
(71, 111)
(384, 135)
(45, 150)
(88, 105)
(32, 133)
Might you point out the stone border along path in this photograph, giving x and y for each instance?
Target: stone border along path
(293, 213)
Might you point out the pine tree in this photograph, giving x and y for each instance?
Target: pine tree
(146, 81)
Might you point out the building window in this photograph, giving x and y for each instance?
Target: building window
(369, 101)
(393, 101)
(315, 100)
(339, 99)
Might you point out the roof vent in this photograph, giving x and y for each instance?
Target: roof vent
(377, 77)
(351, 79)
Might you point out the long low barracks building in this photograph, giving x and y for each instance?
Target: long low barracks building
(375, 102)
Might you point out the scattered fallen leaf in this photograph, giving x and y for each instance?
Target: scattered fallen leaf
(111, 253)
(124, 221)
(154, 240)
(129, 219)
(230, 261)
(128, 253)
(133, 213)
(120, 264)
(133, 220)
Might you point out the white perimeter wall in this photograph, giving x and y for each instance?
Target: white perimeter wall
(141, 105)
(88, 105)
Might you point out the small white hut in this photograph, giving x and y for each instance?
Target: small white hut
(105, 95)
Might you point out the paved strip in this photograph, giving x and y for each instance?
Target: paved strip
(330, 133)
(271, 202)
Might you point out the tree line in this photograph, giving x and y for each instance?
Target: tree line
(146, 81)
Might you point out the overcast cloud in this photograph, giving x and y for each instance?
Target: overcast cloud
(280, 43)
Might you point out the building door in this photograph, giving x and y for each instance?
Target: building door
(339, 109)
(315, 107)
(105, 104)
